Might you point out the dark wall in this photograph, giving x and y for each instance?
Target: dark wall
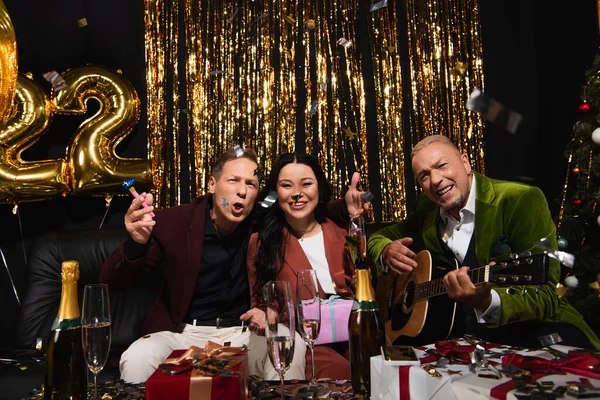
(535, 56)
(534, 59)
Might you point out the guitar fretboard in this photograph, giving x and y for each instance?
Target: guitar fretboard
(435, 287)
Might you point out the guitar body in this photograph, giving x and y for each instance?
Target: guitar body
(416, 310)
(416, 322)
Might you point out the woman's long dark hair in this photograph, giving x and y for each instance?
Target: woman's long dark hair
(271, 221)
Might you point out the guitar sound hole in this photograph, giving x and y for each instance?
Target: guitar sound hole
(409, 295)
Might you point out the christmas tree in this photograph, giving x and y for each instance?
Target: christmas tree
(579, 217)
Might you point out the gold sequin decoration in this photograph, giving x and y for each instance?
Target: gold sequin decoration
(246, 62)
(442, 34)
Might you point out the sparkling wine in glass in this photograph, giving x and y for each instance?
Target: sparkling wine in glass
(309, 317)
(96, 329)
(281, 326)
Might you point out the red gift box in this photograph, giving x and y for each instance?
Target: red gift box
(230, 379)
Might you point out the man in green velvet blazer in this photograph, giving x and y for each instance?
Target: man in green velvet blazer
(510, 217)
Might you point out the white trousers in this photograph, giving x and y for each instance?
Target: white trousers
(144, 355)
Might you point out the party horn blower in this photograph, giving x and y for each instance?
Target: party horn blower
(128, 185)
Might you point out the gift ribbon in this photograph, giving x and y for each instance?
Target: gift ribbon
(584, 364)
(329, 302)
(404, 382)
(454, 352)
(201, 384)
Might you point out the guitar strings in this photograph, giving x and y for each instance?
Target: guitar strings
(427, 287)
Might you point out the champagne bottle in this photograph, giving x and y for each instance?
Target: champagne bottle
(66, 372)
(365, 329)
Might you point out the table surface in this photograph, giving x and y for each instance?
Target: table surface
(117, 390)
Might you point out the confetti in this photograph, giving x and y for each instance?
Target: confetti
(380, 4)
(313, 107)
(453, 372)
(552, 338)
(296, 198)
(215, 72)
(344, 42)
(290, 19)
(494, 111)
(265, 15)
(269, 200)
(460, 68)
(55, 80)
(349, 134)
(238, 150)
(82, 22)
(259, 173)
(224, 202)
(230, 20)
(310, 24)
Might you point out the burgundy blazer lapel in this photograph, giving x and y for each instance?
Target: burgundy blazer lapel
(295, 258)
(333, 238)
(193, 249)
(334, 251)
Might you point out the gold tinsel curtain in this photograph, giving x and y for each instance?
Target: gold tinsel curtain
(354, 82)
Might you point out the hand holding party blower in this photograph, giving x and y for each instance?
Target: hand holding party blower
(128, 185)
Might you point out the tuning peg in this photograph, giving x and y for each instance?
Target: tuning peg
(537, 289)
(511, 290)
(526, 254)
(513, 256)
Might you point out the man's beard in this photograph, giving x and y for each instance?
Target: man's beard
(456, 206)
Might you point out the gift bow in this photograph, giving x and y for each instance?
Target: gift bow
(584, 364)
(212, 349)
(456, 353)
(201, 382)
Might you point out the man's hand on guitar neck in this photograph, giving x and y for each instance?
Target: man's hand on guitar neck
(398, 257)
(460, 288)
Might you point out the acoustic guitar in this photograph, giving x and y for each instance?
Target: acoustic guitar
(416, 309)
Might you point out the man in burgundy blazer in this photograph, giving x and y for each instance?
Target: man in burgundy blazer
(202, 247)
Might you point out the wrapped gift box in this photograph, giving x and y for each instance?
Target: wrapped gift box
(456, 381)
(404, 382)
(230, 379)
(335, 313)
(578, 374)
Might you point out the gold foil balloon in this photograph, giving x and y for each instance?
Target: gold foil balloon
(94, 166)
(28, 180)
(8, 64)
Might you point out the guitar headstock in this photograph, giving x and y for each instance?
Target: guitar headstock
(527, 270)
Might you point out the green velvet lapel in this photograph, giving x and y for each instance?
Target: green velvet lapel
(485, 218)
(431, 237)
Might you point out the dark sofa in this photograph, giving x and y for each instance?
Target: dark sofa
(42, 297)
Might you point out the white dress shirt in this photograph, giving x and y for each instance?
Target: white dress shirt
(457, 236)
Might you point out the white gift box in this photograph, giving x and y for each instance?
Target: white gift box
(385, 382)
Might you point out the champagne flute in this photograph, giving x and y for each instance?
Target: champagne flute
(95, 329)
(281, 326)
(357, 237)
(309, 317)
